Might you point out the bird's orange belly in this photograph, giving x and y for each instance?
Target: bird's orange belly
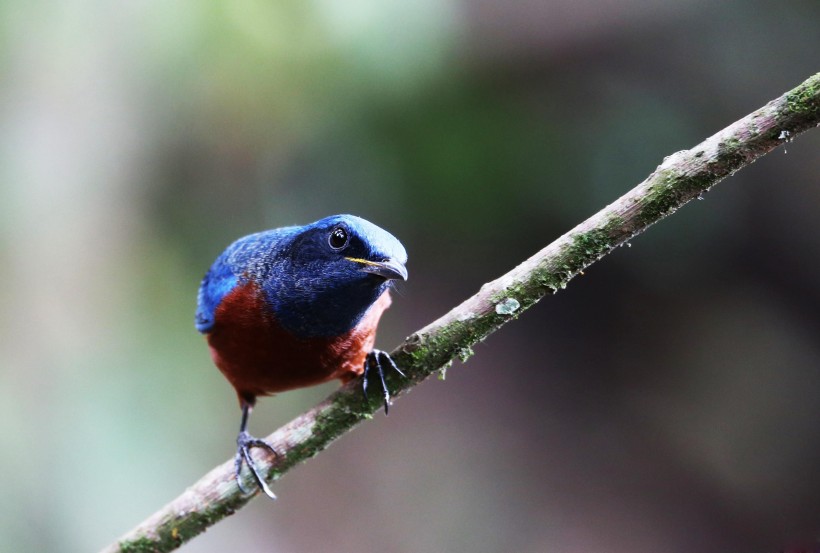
(258, 357)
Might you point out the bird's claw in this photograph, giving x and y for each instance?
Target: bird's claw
(374, 361)
(244, 443)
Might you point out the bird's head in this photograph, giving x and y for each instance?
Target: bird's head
(332, 271)
(349, 248)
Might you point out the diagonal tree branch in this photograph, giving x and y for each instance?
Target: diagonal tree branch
(680, 178)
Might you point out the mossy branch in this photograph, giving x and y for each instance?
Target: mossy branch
(681, 177)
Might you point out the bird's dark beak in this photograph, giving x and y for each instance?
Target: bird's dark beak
(389, 269)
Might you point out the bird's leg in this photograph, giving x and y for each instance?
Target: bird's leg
(373, 362)
(244, 443)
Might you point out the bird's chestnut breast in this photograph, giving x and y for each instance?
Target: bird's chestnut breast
(259, 357)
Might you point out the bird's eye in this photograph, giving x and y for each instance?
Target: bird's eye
(338, 238)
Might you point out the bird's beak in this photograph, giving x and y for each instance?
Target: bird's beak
(389, 269)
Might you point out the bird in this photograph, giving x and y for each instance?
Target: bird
(298, 306)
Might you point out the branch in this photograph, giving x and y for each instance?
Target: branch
(680, 178)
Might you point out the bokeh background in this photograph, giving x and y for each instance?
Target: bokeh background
(667, 400)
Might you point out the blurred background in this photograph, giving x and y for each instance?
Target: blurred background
(667, 400)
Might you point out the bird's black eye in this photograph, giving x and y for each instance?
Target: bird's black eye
(338, 238)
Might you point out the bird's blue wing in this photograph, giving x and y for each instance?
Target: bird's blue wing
(216, 284)
(238, 260)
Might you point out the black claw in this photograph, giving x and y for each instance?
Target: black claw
(244, 443)
(374, 361)
(238, 460)
(386, 356)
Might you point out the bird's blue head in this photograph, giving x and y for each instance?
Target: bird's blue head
(327, 274)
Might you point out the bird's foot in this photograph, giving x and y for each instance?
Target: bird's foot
(244, 443)
(374, 362)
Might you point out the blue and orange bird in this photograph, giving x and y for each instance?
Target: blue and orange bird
(297, 306)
